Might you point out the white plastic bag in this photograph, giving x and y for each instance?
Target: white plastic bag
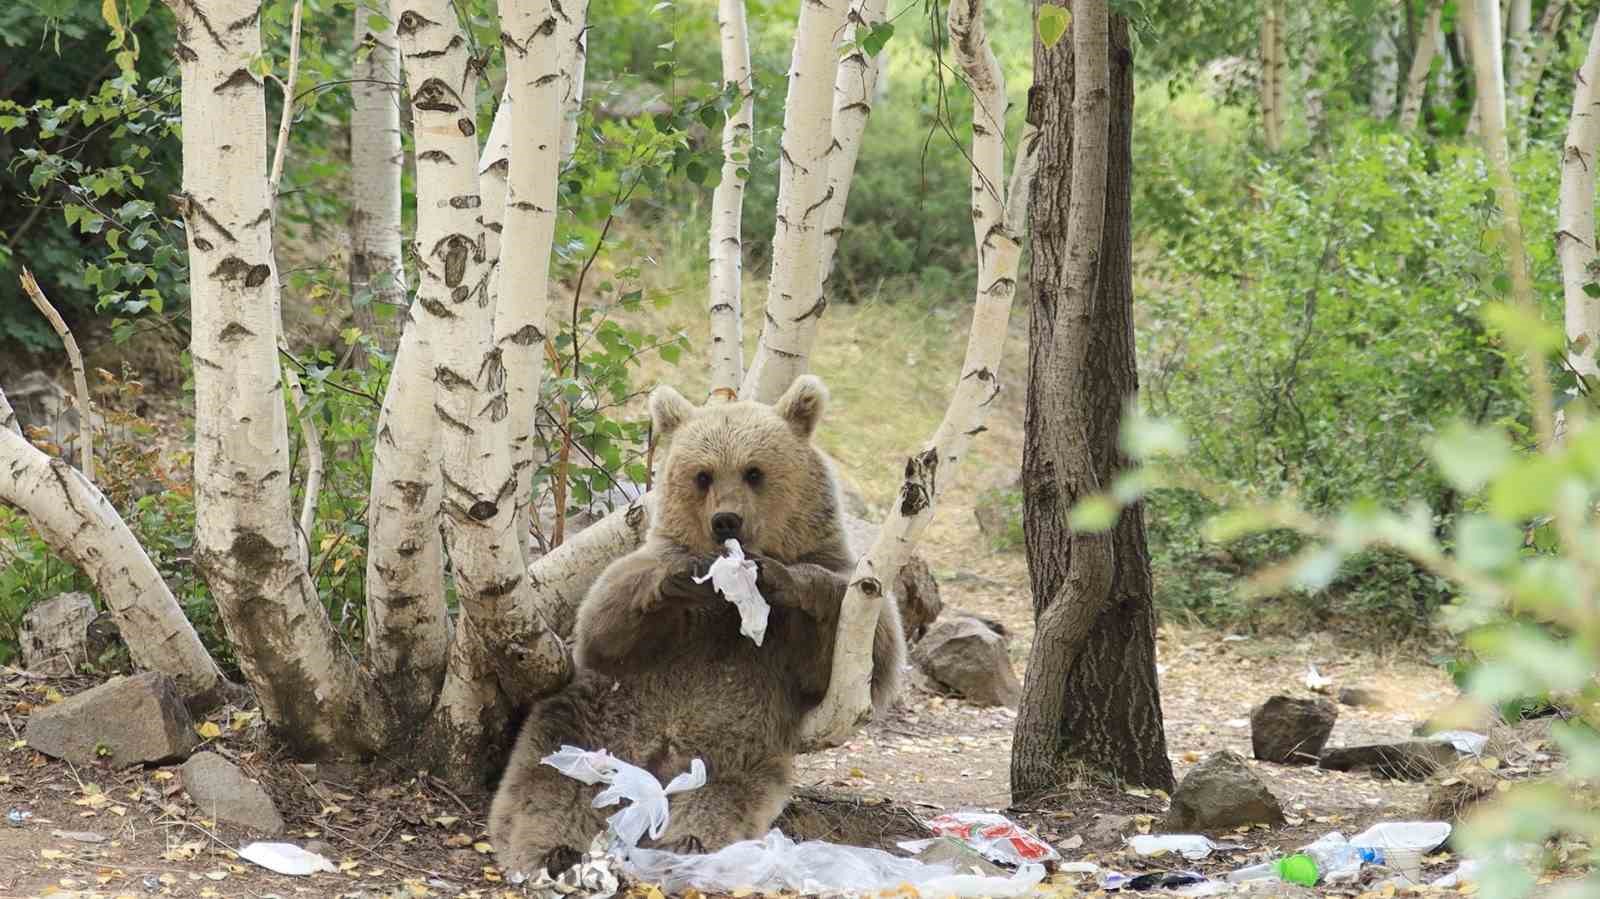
(734, 576)
(286, 858)
(647, 809)
(777, 863)
(1189, 845)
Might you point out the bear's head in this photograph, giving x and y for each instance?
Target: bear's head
(745, 471)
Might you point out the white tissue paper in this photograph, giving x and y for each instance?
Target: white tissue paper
(647, 809)
(734, 576)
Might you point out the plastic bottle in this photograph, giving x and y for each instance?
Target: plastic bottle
(1328, 860)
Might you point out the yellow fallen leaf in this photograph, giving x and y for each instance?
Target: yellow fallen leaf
(51, 694)
(208, 730)
(217, 875)
(52, 854)
(161, 775)
(484, 848)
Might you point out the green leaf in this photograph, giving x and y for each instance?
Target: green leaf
(1486, 543)
(877, 37)
(1470, 457)
(1093, 514)
(1053, 21)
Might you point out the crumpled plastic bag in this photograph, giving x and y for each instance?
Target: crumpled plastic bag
(592, 878)
(994, 836)
(646, 812)
(734, 576)
(776, 862)
(286, 858)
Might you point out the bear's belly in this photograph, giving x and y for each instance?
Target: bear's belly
(729, 713)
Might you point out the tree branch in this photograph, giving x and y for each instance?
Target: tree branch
(75, 359)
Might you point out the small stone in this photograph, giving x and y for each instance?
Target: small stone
(126, 721)
(967, 657)
(1362, 697)
(1408, 760)
(221, 791)
(55, 634)
(1222, 793)
(1291, 731)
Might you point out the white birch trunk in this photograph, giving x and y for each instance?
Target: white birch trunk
(998, 217)
(1488, 63)
(80, 524)
(1385, 65)
(1518, 43)
(1272, 72)
(1421, 62)
(727, 207)
(377, 273)
(473, 376)
(794, 293)
(573, 35)
(1544, 45)
(245, 535)
(853, 93)
(1575, 237)
(8, 416)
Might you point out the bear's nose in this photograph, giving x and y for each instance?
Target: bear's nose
(725, 526)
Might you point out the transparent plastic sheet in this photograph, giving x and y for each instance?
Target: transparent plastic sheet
(734, 576)
(994, 836)
(646, 812)
(776, 862)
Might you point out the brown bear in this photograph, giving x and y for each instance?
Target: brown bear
(664, 674)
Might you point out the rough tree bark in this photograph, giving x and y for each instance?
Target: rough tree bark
(794, 292)
(80, 524)
(1421, 62)
(377, 274)
(1090, 697)
(998, 216)
(1575, 237)
(1273, 70)
(246, 543)
(727, 206)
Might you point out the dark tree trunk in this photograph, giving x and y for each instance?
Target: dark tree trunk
(1091, 702)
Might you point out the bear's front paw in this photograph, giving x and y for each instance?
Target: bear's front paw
(679, 584)
(560, 860)
(772, 577)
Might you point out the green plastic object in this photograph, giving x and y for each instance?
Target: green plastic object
(1299, 869)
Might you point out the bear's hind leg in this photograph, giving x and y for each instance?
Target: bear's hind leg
(725, 811)
(543, 819)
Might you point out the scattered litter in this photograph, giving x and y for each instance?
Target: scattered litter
(1465, 741)
(647, 809)
(734, 576)
(777, 863)
(1466, 872)
(78, 836)
(1315, 682)
(1331, 859)
(286, 858)
(993, 835)
(1191, 846)
(18, 817)
(592, 878)
(1235, 638)
(1078, 868)
(1401, 845)
(1114, 880)
(1165, 880)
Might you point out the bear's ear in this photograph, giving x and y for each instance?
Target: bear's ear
(801, 405)
(668, 411)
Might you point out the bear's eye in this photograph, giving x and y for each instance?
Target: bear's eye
(703, 480)
(753, 477)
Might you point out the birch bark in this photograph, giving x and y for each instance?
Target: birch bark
(794, 292)
(1575, 232)
(1272, 74)
(377, 273)
(573, 35)
(80, 524)
(727, 206)
(1385, 64)
(247, 546)
(854, 91)
(1421, 62)
(998, 215)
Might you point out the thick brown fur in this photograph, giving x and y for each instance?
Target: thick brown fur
(665, 676)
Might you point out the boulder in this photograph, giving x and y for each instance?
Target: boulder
(1222, 793)
(967, 657)
(1291, 731)
(915, 590)
(55, 635)
(221, 791)
(44, 408)
(126, 720)
(1406, 760)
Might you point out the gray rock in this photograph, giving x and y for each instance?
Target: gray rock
(126, 720)
(1407, 760)
(1222, 793)
(964, 655)
(1291, 731)
(221, 791)
(916, 592)
(55, 634)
